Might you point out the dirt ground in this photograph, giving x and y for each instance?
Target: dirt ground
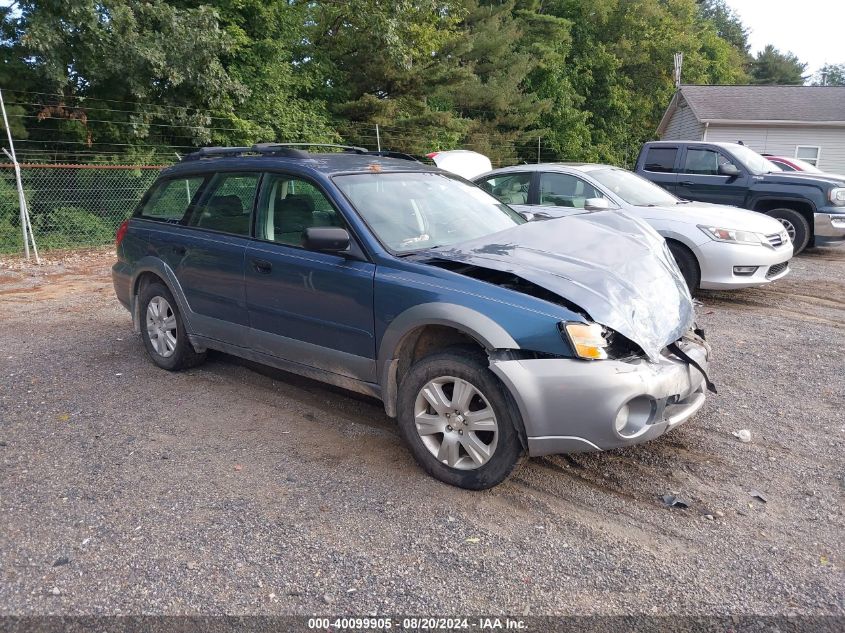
(233, 488)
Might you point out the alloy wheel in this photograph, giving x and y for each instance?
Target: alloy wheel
(161, 326)
(790, 228)
(456, 423)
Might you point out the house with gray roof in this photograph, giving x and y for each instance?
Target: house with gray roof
(806, 122)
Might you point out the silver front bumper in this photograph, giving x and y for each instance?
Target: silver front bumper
(829, 229)
(572, 405)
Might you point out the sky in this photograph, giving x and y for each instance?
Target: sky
(812, 29)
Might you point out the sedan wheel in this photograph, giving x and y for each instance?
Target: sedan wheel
(161, 326)
(456, 423)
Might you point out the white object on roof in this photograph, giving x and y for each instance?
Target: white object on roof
(463, 162)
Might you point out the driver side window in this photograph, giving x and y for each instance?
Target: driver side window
(704, 162)
(509, 188)
(565, 190)
(289, 205)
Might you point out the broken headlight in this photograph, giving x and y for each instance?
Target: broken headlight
(587, 340)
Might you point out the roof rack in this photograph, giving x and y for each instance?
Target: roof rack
(258, 148)
(289, 150)
(349, 148)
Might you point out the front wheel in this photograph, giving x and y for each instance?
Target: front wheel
(688, 265)
(796, 226)
(457, 420)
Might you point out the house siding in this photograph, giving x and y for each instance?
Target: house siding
(783, 141)
(683, 126)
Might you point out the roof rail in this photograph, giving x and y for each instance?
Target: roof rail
(289, 150)
(259, 148)
(389, 153)
(349, 148)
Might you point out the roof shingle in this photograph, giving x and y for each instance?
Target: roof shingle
(766, 103)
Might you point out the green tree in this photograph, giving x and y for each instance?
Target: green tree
(728, 24)
(830, 75)
(770, 66)
(84, 58)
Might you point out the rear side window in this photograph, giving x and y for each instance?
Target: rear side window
(661, 159)
(226, 205)
(171, 198)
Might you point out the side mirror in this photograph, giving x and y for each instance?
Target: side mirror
(527, 215)
(597, 204)
(728, 169)
(329, 239)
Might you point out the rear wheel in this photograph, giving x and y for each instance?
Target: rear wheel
(796, 226)
(457, 420)
(163, 331)
(687, 263)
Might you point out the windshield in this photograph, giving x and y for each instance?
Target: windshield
(419, 210)
(633, 189)
(753, 162)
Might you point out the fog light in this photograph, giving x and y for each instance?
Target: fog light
(745, 270)
(622, 418)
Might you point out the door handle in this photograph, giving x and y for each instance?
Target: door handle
(262, 266)
(686, 183)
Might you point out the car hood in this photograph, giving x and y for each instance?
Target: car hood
(612, 265)
(718, 215)
(800, 178)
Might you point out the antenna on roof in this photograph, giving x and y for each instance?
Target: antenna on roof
(676, 75)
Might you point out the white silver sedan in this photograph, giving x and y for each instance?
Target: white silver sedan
(715, 246)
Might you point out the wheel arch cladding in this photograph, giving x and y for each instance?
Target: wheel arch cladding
(419, 327)
(150, 270)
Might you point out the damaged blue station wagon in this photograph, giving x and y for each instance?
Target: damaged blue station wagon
(484, 335)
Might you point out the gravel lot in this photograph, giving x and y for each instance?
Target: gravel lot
(233, 488)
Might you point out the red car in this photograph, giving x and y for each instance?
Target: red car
(796, 164)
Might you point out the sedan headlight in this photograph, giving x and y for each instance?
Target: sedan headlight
(587, 340)
(837, 196)
(732, 235)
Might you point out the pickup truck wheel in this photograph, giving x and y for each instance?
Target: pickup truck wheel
(163, 331)
(457, 421)
(796, 226)
(687, 263)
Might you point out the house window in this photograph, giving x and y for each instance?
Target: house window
(808, 153)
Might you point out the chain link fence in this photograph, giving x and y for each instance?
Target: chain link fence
(70, 205)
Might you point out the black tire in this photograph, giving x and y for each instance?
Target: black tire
(183, 355)
(469, 366)
(687, 263)
(794, 222)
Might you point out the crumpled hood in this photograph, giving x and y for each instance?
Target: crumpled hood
(614, 266)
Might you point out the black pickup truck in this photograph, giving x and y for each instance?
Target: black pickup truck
(811, 207)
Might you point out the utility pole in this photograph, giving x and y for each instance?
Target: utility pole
(538, 149)
(378, 138)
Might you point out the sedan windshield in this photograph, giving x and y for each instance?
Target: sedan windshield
(633, 189)
(753, 162)
(412, 211)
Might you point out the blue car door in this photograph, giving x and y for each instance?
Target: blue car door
(209, 258)
(307, 307)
